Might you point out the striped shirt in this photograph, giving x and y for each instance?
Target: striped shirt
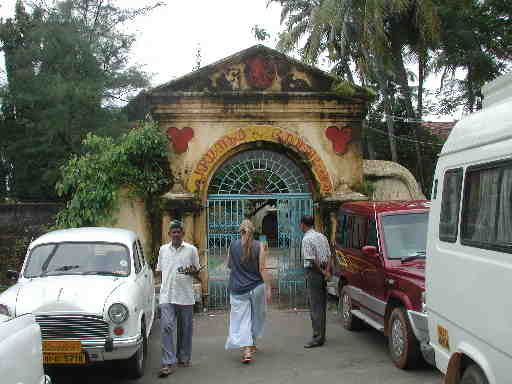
(315, 247)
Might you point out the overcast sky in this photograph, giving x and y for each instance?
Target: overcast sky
(168, 38)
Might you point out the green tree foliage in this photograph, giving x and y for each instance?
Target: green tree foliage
(67, 67)
(375, 139)
(377, 41)
(260, 33)
(476, 39)
(91, 182)
(370, 34)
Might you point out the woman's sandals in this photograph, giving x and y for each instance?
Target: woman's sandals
(247, 355)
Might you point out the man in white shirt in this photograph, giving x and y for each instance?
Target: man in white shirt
(178, 265)
(316, 254)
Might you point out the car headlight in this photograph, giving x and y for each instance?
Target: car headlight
(118, 313)
(4, 310)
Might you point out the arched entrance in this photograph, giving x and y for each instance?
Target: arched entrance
(271, 190)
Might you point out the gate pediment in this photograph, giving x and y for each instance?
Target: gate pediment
(256, 69)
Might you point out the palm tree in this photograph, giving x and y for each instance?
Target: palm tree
(338, 28)
(371, 34)
(476, 40)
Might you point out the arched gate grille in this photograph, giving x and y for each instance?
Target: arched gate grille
(258, 171)
(273, 192)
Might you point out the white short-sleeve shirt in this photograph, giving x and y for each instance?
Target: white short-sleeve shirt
(176, 287)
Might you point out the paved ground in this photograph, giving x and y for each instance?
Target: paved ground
(347, 357)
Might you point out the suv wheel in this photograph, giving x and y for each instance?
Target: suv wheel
(349, 321)
(403, 345)
(474, 375)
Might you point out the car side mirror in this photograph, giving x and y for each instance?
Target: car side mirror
(13, 275)
(370, 251)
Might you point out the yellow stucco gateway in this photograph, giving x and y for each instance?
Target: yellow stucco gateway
(206, 165)
(262, 136)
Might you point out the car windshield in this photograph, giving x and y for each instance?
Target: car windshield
(405, 235)
(78, 259)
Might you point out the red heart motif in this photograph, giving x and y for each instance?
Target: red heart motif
(339, 137)
(180, 138)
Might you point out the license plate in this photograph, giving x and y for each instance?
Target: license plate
(64, 358)
(62, 346)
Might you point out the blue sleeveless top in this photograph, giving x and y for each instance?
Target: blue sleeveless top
(243, 277)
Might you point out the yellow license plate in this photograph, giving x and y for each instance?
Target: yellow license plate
(62, 346)
(64, 358)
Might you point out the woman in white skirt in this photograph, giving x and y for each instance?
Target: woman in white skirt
(248, 287)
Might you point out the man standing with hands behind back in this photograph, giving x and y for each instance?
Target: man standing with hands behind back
(178, 265)
(316, 254)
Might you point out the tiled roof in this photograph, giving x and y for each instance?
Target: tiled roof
(441, 129)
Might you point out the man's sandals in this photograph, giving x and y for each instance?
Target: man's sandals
(167, 370)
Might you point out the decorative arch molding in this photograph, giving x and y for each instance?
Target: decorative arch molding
(209, 162)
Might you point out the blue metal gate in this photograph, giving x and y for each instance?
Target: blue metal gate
(226, 212)
(268, 188)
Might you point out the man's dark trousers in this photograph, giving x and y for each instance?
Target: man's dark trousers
(318, 302)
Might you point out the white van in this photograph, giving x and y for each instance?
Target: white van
(469, 246)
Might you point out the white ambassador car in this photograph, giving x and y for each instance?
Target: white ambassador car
(92, 293)
(21, 357)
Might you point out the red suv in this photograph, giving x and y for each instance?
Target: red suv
(380, 263)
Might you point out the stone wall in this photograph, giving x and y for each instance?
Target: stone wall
(19, 224)
(14, 215)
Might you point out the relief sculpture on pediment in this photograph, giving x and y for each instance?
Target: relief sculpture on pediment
(228, 78)
(259, 73)
(257, 69)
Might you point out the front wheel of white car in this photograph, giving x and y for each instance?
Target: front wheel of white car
(134, 366)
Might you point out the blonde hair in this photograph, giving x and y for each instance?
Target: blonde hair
(248, 228)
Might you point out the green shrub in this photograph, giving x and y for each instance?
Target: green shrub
(92, 181)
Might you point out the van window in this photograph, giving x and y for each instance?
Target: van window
(450, 205)
(487, 212)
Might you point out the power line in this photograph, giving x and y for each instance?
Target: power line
(400, 138)
(406, 119)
